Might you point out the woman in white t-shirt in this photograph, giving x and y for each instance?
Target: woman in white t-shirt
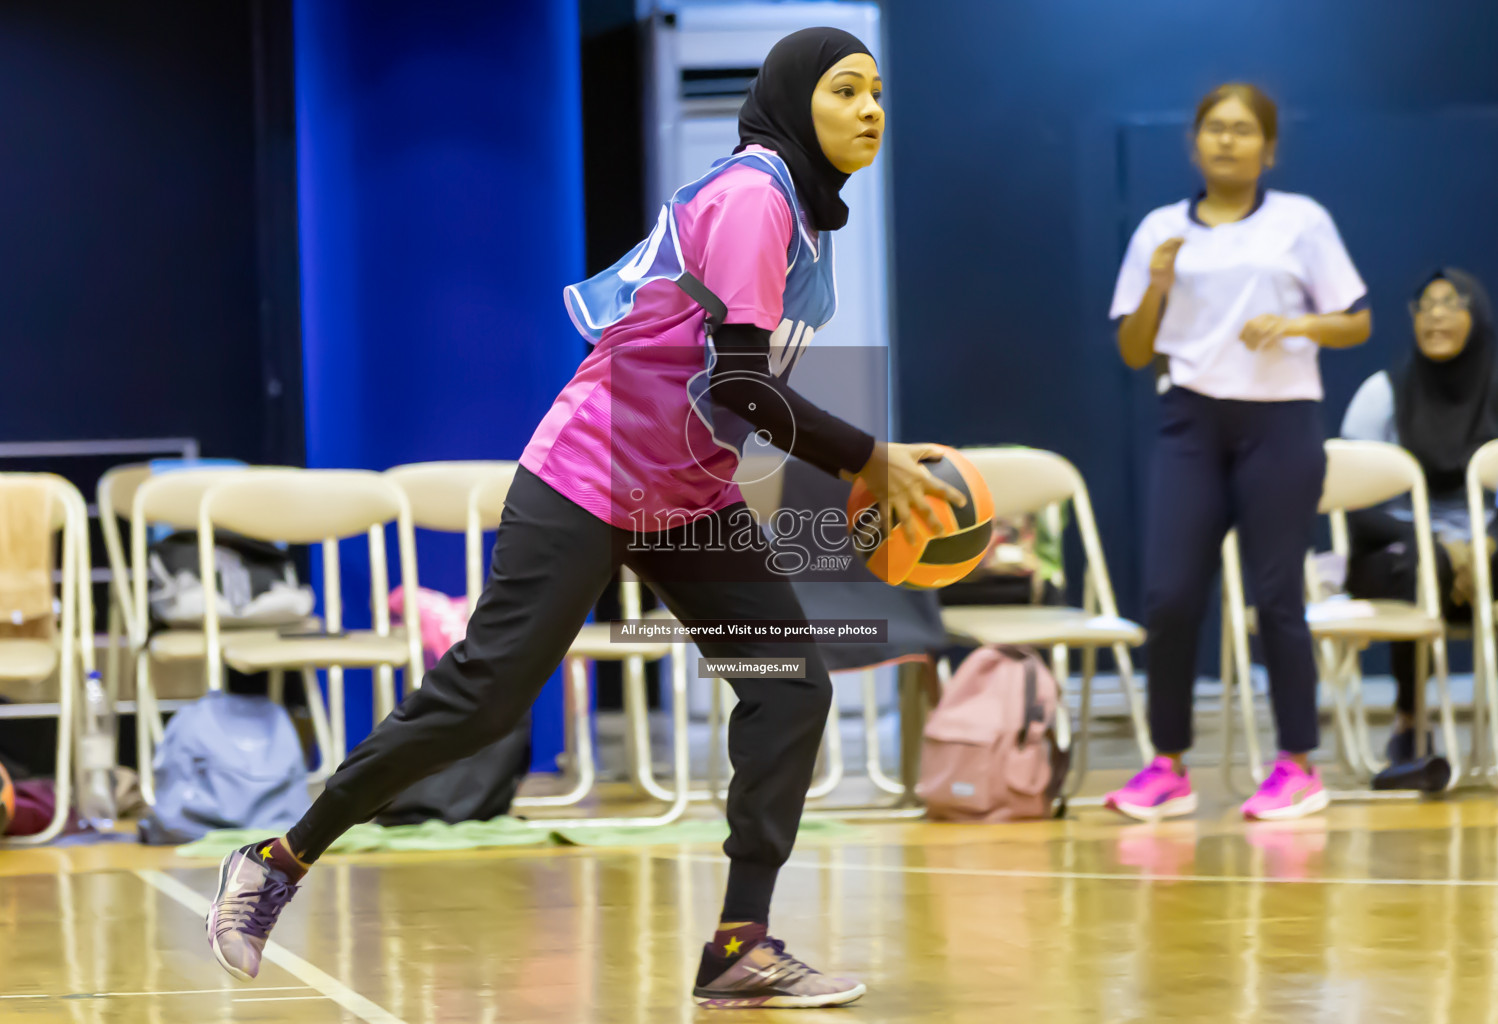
(1240, 289)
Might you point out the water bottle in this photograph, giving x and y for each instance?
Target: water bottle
(96, 756)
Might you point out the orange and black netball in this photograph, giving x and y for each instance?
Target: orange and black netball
(934, 559)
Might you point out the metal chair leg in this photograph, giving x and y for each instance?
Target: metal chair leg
(1489, 682)
(1060, 663)
(1063, 726)
(1480, 768)
(1236, 603)
(1077, 737)
(637, 731)
(1125, 661)
(112, 651)
(321, 731)
(637, 750)
(579, 741)
(831, 756)
(68, 722)
(681, 766)
(1422, 720)
(912, 696)
(1228, 678)
(336, 713)
(67, 725)
(1083, 735)
(384, 692)
(1244, 674)
(1355, 749)
(1359, 712)
(1327, 663)
(1448, 712)
(1348, 746)
(872, 759)
(1483, 752)
(155, 727)
(145, 714)
(718, 768)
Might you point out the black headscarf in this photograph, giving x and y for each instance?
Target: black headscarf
(1445, 411)
(777, 115)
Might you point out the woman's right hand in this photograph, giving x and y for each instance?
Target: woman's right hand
(900, 483)
(1163, 264)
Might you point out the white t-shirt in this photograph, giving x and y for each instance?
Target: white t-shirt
(1284, 258)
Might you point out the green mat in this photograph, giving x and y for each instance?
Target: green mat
(429, 835)
(476, 835)
(694, 831)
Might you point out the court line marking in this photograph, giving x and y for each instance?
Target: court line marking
(361, 1007)
(281, 999)
(165, 992)
(1120, 876)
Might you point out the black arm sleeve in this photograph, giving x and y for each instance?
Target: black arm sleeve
(739, 382)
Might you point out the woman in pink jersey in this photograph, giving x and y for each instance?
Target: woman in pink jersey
(643, 436)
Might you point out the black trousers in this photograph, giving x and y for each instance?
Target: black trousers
(1258, 466)
(1382, 564)
(552, 561)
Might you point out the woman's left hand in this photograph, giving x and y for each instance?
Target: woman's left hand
(1269, 328)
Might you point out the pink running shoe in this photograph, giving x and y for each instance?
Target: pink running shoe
(1155, 793)
(1289, 792)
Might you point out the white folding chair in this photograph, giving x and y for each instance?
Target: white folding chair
(175, 499)
(1359, 475)
(485, 508)
(69, 653)
(1482, 480)
(323, 507)
(115, 494)
(440, 493)
(1026, 481)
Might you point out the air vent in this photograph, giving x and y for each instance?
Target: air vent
(716, 83)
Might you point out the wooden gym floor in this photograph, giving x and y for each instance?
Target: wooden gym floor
(1373, 913)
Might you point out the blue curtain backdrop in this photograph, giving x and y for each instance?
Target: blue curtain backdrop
(440, 195)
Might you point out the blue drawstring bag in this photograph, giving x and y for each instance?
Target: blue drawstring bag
(227, 760)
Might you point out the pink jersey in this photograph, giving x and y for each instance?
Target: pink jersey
(622, 439)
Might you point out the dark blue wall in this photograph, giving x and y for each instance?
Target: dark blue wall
(441, 216)
(129, 298)
(1029, 138)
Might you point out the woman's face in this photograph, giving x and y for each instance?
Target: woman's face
(1442, 321)
(1230, 145)
(845, 109)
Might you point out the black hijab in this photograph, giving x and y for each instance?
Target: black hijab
(1445, 411)
(777, 115)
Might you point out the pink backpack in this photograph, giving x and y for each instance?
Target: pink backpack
(990, 752)
(444, 620)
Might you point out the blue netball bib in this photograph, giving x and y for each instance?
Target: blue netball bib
(809, 300)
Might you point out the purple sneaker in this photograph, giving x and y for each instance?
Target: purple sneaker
(1154, 794)
(765, 975)
(251, 895)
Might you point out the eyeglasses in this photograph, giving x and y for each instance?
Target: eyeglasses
(1453, 305)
